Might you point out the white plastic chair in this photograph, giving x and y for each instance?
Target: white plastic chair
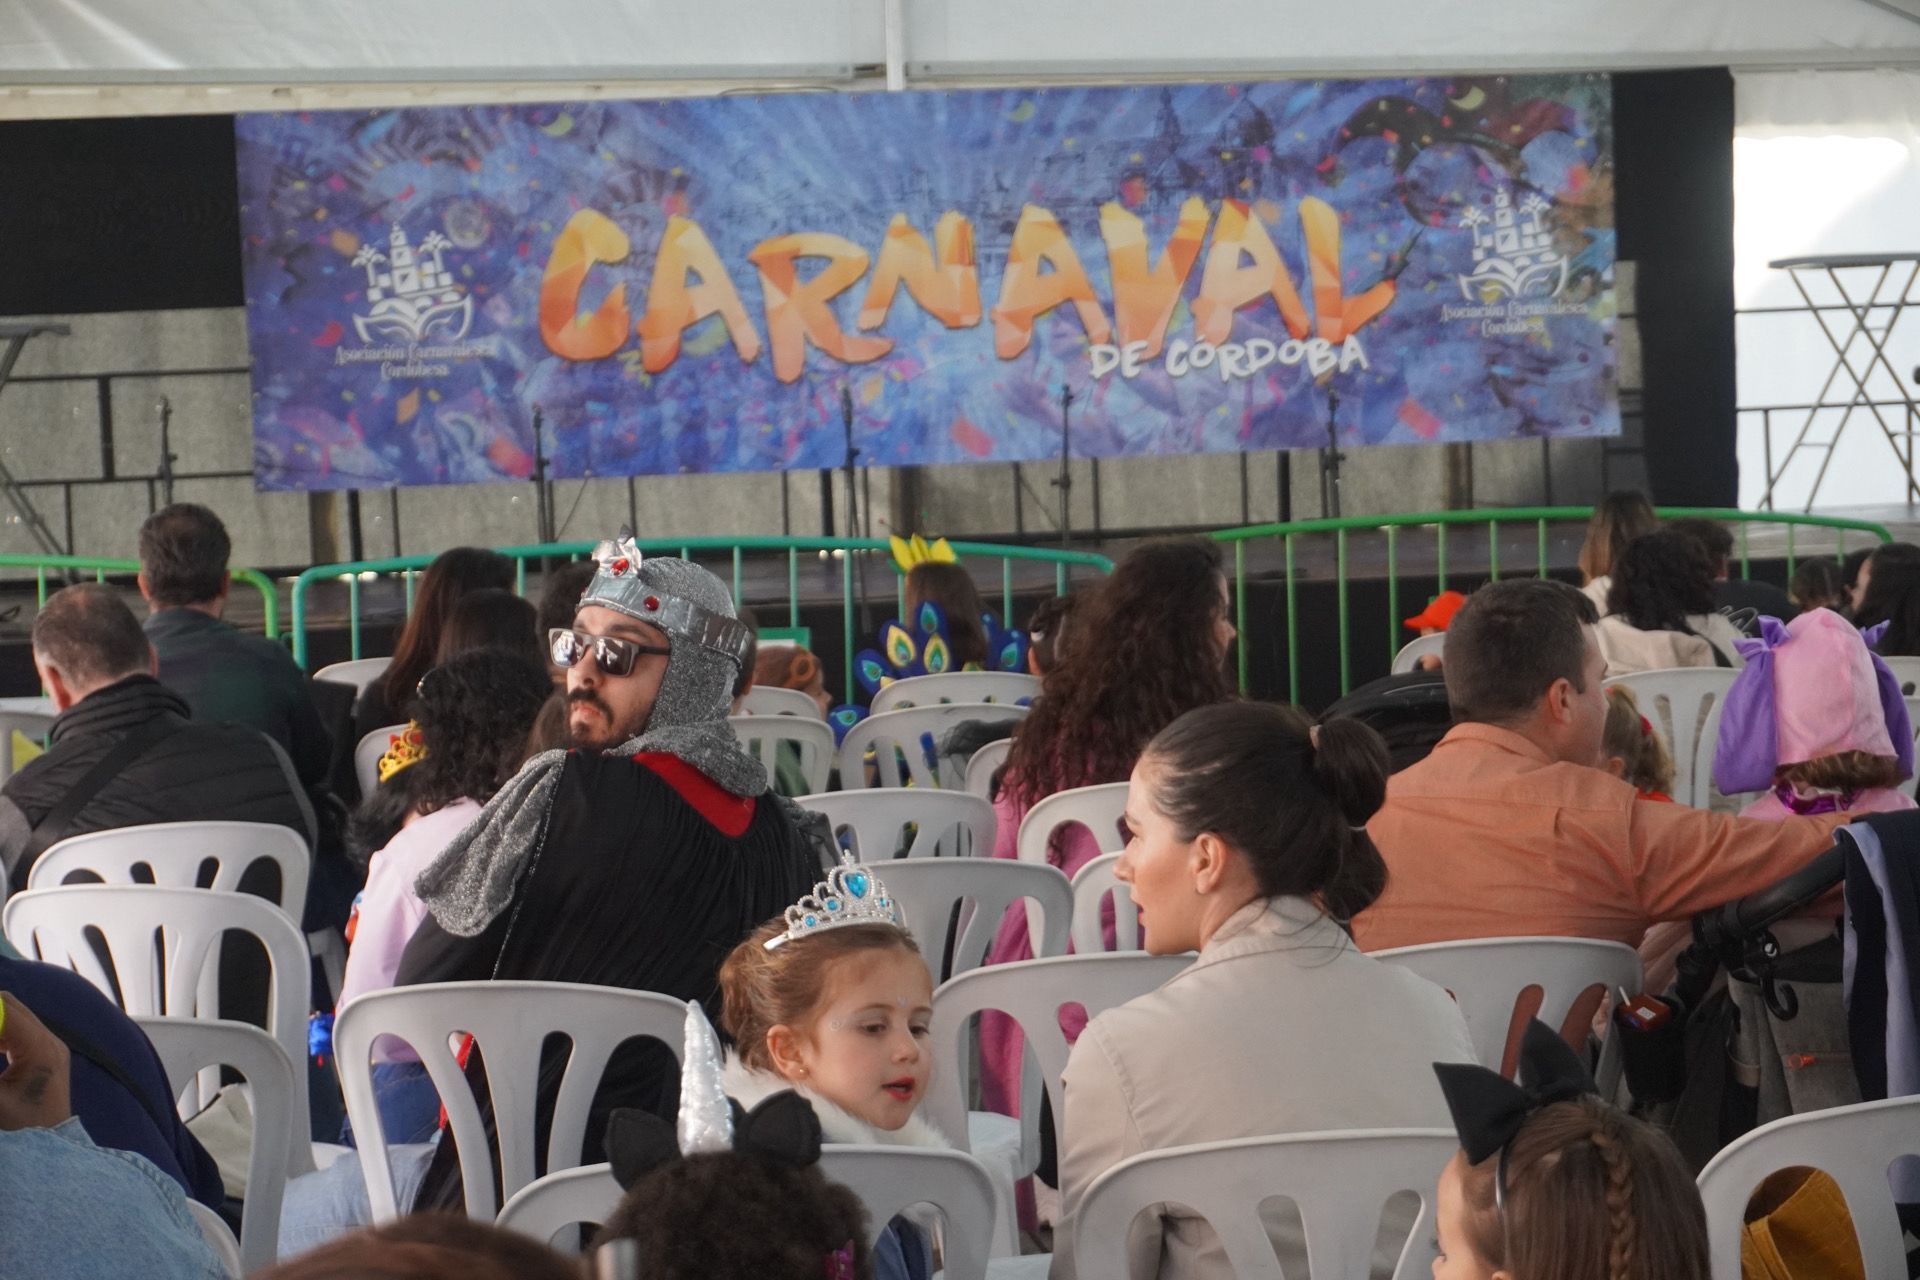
(813, 739)
(188, 1045)
(1487, 976)
(359, 673)
(1854, 1144)
(887, 1180)
(957, 686)
(772, 700)
(1685, 703)
(509, 1021)
(219, 1238)
(1913, 713)
(926, 891)
(1340, 1181)
(1408, 659)
(548, 1205)
(983, 764)
(1906, 669)
(1093, 885)
(1032, 993)
(173, 854)
(31, 725)
(1097, 808)
(945, 821)
(912, 735)
(161, 943)
(367, 753)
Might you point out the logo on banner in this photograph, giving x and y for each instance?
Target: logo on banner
(413, 296)
(1513, 252)
(418, 316)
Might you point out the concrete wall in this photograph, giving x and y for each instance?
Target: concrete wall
(80, 428)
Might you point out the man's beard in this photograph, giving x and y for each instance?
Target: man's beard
(592, 742)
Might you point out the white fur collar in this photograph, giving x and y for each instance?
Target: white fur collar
(750, 1087)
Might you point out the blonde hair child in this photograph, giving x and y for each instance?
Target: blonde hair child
(840, 1015)
(1635, 750)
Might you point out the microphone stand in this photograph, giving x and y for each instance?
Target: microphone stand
(853, 453)
(853, 499)
(1065, 483)
(1331, 458)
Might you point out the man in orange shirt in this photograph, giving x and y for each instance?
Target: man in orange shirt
(1509, 828)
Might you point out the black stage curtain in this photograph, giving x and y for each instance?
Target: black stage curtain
(118, 215)
(1673, 156)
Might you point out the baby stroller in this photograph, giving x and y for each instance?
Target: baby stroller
(1774, 1040)
(1409, 711)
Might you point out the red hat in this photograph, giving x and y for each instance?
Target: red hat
(1438, 614)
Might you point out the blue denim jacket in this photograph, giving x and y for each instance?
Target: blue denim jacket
(72, 1211)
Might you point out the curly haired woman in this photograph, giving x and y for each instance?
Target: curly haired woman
(1150, 644)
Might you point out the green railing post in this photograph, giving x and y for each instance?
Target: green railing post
(1493, 550)
(846, 616)
(353, 614)
(1440, 555)
(1541, 570)
(1393, 592)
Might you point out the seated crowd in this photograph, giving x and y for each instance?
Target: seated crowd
(568, 803)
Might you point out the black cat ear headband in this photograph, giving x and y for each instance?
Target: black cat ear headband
(783, 1127)
(1489, 1110)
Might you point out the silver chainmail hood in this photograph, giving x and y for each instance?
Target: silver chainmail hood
(472, 880)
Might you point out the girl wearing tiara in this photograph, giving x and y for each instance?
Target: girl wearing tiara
(833, 1001)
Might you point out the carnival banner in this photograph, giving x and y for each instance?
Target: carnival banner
(709, 284)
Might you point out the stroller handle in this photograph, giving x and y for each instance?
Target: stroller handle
(1728, 925)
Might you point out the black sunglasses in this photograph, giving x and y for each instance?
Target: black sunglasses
(614, 656)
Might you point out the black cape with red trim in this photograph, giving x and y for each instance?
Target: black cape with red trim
(646, 876)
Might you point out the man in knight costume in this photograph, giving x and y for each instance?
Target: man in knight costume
(637, 859)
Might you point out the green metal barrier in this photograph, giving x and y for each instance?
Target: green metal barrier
(736, 548)
(45, 567)
(1493, 522)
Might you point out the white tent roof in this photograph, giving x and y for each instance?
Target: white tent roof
(95, 42)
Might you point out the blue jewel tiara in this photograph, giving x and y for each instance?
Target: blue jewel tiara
(850, 894)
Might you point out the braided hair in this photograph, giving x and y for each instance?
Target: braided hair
(1592, 1194)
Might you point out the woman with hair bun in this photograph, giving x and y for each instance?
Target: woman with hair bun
(1247, 842)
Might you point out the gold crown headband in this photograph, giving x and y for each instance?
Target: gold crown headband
(404, 750)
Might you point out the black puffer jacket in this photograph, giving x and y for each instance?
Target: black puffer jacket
(201, 771)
